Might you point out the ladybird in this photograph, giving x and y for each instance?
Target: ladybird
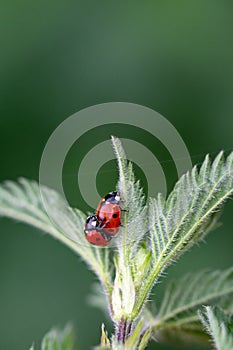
(111, 197)
(108, 213)
(94, 233)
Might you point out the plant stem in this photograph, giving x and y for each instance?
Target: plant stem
(123, 330)
(120, 331)
(128, 329)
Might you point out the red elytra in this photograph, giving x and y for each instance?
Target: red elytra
(109, 214)
(94, 233)
(96, 238)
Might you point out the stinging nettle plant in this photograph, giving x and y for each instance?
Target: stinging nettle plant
(153, 235)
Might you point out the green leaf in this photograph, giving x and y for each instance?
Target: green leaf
(188, 214)
(144, 339)
(133, 341)
(139, 338)
(219, 326)
(104, 342)
(134, 222)
(58, 339)
(184, 296)
(22, 201)
(185, 337)
(104, 337)
(132, 201)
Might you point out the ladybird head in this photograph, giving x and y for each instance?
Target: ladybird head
(92, 223)
(112, 197)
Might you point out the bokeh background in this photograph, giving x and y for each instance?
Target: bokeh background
(58, 57)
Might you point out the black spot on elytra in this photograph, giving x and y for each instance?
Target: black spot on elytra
(97, 239)
(115, 216)
(110, 230)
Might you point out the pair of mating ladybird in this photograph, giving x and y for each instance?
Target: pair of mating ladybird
(101, 227)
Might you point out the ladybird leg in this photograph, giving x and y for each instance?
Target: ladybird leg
(105, 224)
(106, 237)
(100, 225)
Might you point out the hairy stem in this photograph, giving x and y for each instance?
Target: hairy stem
(123, 330)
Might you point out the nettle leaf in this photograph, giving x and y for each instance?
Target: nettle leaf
(58, 339)
(189, 213)
(134, 227)
(132, 201)
(104, 342)
(139, 338)
(152, 236)
(104, 337)
(22, 201)
(219, 326)
(184, 296)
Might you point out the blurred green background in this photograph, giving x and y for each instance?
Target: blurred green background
(58, 57)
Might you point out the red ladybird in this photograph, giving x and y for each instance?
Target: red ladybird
(94, 233)
(108, 213)
(111, 197)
